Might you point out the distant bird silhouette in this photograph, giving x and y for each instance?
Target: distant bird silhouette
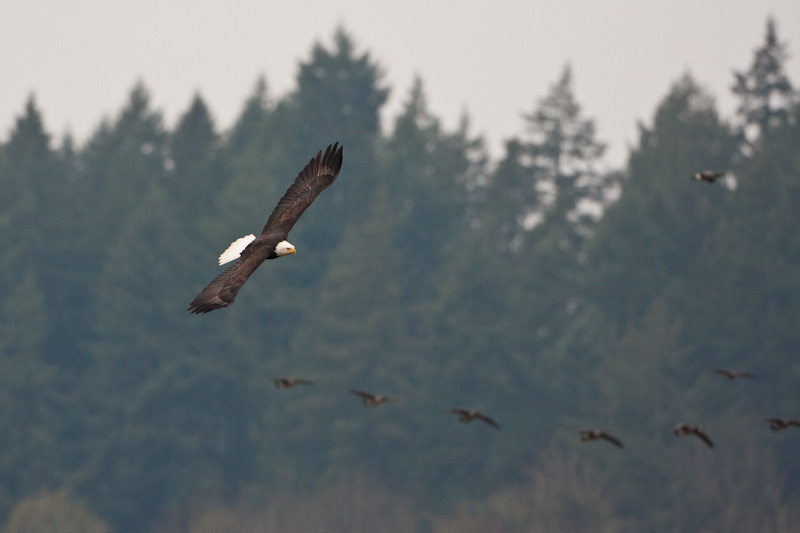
(709, 176)
(288, 383)
(733, 374)
(682, 430)
(370, 399)
(597, 434)
(778, 424)
(468, 415)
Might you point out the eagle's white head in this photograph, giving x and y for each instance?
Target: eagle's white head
(284, 248)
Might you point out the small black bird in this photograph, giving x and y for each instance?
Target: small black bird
(596, 434)
(709, 176)
(733, 374)
(288, 383)
(682, 430)
(777, 424)
(370, 399)
(468, 415)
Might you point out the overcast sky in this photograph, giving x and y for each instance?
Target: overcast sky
(494, 60)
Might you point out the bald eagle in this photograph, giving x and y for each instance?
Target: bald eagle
(251, 251)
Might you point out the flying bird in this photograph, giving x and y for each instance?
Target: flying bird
(777, 424)
(371, 400)
(251, 251)
(596, 434)
(288, 383)
(733, 374)
(468, 415)
(681, 430)
(709, 176)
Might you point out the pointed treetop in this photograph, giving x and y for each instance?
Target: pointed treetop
(29, 131)
(764, 90)
(561, 140)
(253, 118)
(339, 86)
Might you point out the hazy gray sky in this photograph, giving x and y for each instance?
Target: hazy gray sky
(493, 59)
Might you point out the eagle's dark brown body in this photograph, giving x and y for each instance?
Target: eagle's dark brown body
(317, 176)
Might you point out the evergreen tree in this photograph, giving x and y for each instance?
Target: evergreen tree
(338, 98)
(747, 273)
(29, 177)
(195, 163)
(655, 230)
(29, 173)
(564, 152)
(252, 125)
(351, 332)
(30, 393)
(35, 226)
(358, 313)
(512, 202)
(168, 413)
(428, 174)
(764, 90)
(120, 162)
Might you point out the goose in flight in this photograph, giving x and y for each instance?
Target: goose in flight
(371, 400)
(778, 424)
(681, 430)
(468, 415)
(597, 434)
(288, 383)
(733, 374)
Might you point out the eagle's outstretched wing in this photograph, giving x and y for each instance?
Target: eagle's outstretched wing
(251, 251)
(317, 176)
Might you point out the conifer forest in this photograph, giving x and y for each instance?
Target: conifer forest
(538, 288)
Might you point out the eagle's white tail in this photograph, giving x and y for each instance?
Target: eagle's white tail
(235, 249)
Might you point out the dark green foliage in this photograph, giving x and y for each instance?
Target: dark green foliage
(765, 92)
(338, 98)
(428, 174)
(119, 164)
(193, 161)
(424, 273)
(30, 393)
(664, 216)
